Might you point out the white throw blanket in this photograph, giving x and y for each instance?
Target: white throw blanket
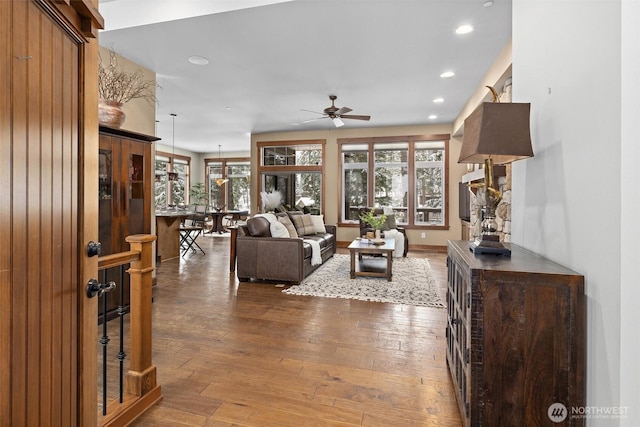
(277, 230)
(275, 227)
(399, 238)
(316, 258)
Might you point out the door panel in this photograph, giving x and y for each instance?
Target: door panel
(42, 268)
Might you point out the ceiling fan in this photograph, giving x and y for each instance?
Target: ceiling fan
(336, 114)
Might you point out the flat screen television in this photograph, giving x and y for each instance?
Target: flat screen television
(464, 201)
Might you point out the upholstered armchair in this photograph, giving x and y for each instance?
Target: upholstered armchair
(390, 225)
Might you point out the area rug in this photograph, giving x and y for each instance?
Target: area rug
(412, 284)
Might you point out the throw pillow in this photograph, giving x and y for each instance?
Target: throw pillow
(391, 222)
(294, 213)
(291, 229)
(318, 223)
(279, 230)
(304, 225)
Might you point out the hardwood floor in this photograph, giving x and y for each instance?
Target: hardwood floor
(245, 354)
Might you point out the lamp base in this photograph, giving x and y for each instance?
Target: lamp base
(489, 245)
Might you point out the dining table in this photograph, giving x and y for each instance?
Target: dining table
(215, 224)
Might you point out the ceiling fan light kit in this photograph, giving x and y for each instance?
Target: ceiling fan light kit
(337, 114)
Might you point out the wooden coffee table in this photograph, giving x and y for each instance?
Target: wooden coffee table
(370, 266)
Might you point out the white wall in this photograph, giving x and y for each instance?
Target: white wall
(568, 200)
(630, 173)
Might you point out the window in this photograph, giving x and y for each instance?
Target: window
(294, 169)
(390, 171)
(305, 154)
(239, 184)
(430, 188)
(355, 165)
(409, 177)
(171, 193)
(234, 193)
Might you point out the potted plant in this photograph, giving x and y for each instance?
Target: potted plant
(198, 194)
(116, 87)
(375, 221)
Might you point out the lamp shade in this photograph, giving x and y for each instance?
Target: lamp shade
(499, 131)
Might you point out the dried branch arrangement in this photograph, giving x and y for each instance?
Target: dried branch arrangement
(115, 84)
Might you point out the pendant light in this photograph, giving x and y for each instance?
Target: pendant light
(158, 175)
(220, 181)
(173, 175)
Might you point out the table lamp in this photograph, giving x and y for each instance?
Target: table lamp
(494, 133)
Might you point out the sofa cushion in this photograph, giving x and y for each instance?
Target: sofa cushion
(258, 227)
(286, 222)
(304, 224)
(318, 223)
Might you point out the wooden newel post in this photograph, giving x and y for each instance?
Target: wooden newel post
(141, 377)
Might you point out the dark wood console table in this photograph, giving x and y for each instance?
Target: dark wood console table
(515, 337)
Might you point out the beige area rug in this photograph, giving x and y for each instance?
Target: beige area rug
(413, 283)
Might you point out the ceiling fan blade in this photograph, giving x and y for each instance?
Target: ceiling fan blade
(311, 111)
(355, 117)
(313, 120)
(337, 122)
(342, 111)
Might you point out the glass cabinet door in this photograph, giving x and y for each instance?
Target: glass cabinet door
(107, 195)
(105, 181)
(136, 194)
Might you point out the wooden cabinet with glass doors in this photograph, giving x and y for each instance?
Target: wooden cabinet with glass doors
(125, 190)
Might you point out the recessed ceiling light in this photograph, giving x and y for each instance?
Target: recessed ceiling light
(228, 108)
(198, 60)
(488, 3)
(464, 29)
(433, 117)
(438, 100)
(447, 74)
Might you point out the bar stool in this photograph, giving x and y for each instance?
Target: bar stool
(188, 235)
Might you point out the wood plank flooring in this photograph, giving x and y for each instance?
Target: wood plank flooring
(245, 354)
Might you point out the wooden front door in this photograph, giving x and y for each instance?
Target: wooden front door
(48, 152)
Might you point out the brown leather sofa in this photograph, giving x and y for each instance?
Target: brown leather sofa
(260, 256)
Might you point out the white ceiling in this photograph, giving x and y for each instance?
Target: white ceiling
(270, 60)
